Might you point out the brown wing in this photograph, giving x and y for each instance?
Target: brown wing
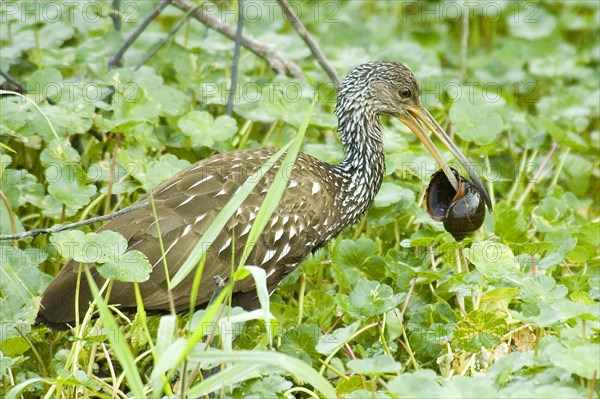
(186, 205)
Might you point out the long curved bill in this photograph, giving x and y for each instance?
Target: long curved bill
(413, 119)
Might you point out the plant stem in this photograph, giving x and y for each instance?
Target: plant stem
(537, 177)
(36, 354)
(408, 295)
(490, 185)
(408, 348)
(592, 385)
(301, 297)
(386, 348)
(245, 131)
(334, 370)
(236, 58)
(11, 217)
(517, 180)
(163, 256)
(111, 174)
(464, 43)
(335, 351)
(561, 164)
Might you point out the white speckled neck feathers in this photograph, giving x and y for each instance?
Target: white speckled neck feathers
(359, 128)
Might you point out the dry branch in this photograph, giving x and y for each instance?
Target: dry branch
(61, 227)
(310, 42)
(276, 61)
(116, 59)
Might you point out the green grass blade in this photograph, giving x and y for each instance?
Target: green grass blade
(226, 377)
(164, 339)
(29, 100)
(262, 292)
(208, 319)
(165, 334)
(14, 391)
(276, 190)
(295, 367)
(222, 218)
(266, 210)
(117, 340)
(166, 364)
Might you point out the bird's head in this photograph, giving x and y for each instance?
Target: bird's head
(379, 88)
(390, 88)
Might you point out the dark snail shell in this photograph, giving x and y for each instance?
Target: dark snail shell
(462, 212)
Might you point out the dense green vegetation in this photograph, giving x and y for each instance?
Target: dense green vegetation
(394, 307)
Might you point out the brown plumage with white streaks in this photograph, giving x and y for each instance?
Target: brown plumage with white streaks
(320, 200)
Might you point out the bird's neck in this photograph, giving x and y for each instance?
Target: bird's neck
(363, 168)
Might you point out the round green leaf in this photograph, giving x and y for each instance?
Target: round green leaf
(492, 259)
(67, 185)
(131, 266)
(477, 121)
(204, 130)
(59, 151)
(581, 360)
(377, 365)
(391, 193)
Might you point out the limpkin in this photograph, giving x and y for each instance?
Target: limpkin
(320, 200)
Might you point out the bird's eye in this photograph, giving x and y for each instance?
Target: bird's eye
(405, 92)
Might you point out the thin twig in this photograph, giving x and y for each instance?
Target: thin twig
(407, 346)
(11, 216)
(275, 60)
(165, 39)
(519, 179)
(116, 14)
(537, 177)
(490, 185)
(111, 174)
(559, 168)
(14, 84)
(592, 385)
(36, 354)
(310, 42)
(236, 58)
(464, 42)
(408, 295)
(464, 259)
(116, 59)
(61, 227)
